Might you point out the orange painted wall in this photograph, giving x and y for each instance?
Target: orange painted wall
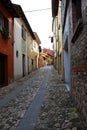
(7, 47)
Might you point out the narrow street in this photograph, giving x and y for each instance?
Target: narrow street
(39, 101)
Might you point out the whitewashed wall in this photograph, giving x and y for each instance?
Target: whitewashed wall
(17, 47)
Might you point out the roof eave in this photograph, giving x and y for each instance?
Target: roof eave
(55, 7)
(37, 38)
(9, 6)
(22, 16)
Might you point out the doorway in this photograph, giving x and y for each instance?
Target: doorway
(3, 69)
(23, 64)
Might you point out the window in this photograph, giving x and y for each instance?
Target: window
(1, 21)
(76, 11)
(40, 49)
(5, 26)
(76, 18)
(17, 53)
(23, 33)
(9, 27)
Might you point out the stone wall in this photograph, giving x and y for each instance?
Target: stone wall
(79, 72)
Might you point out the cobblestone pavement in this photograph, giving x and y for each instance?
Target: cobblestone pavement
(14, 110)
(12, 86)
(57, 109)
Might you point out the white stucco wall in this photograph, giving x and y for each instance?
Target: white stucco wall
(17, 47)
(22, 46)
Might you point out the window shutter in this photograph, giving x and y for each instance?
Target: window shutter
(1, 21)
(9, 28)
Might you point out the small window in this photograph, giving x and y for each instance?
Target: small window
(5, 26)
(17, 53)
(40, 49)
(76, 12)
(1, 21)
(77, 21)
(6, 23)
(23, 33)
(9, 28)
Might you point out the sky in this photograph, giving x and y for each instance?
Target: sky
(40, 21)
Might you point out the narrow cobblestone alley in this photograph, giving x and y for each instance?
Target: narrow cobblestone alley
(39, 101)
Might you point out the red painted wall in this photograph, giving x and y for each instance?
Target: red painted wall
(6, 47)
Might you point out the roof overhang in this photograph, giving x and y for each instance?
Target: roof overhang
(55, 7)
(23, 17)
(9, 6)
(37, 38)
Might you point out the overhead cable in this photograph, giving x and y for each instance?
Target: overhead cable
(37, 10)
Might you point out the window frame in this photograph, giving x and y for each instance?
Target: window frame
(77, 21)
(5, 26)
(1, 21)
(23, 33)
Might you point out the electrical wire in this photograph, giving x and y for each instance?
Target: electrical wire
(37, 10)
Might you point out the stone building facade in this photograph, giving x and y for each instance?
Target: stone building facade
(74, 33)
(78, 25)
(77, 44)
